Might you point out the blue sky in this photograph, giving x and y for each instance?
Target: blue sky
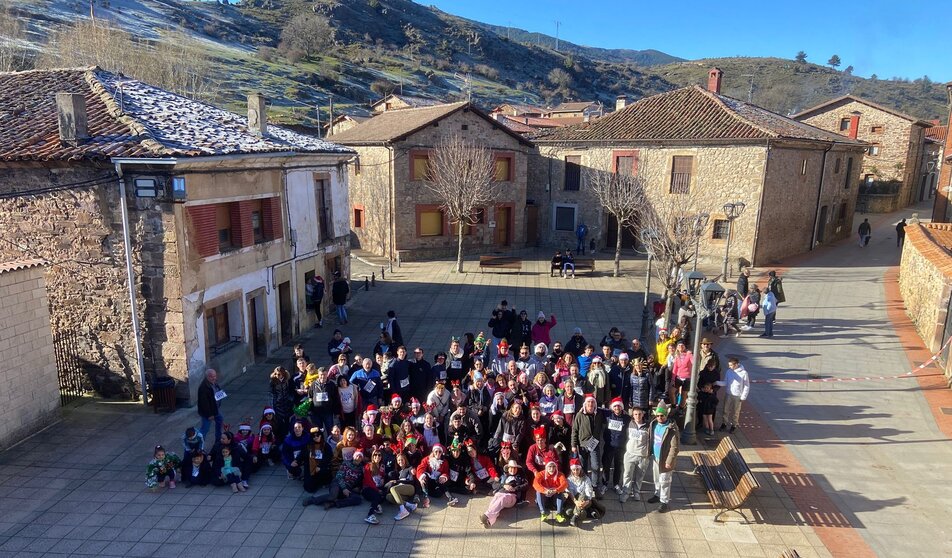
(888, 38)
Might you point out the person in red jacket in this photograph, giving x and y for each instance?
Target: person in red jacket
(433, 473)
(542, 327)
(540, 452)
(483, 468)
(550, 486)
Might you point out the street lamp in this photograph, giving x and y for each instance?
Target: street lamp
(700, 223)
(648, 236)
(732, 210)
(705, 298)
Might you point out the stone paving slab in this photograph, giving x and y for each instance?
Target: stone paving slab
(77, 488)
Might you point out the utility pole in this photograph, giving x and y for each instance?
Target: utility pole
(557, 24)
(750, 88)
(318, 109)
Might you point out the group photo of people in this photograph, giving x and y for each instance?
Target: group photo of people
(503, 417)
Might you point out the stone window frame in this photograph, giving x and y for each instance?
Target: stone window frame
(420, 209)
(845, 120)
(503, 155)
(875, 149)
(633, 153)
(555, 211)
(412, 157)
(716, 221)
(669, 170)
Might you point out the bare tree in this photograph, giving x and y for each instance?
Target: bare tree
(620, 193)
(670, 218)
(415, 39)
(15, 53)
(461, 174)
(307, 32)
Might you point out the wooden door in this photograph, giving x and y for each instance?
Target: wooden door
(503, 231)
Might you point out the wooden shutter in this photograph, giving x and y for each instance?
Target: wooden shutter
(241, 233)
(205, 232)
(573, 172)
(272, 218)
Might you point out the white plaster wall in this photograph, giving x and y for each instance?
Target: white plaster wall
(302, 208)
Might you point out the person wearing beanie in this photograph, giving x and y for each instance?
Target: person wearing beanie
(581, 495)
(588, 429)
(551, 487)
(433, 474)
(577, 344)
(664, 438)
(264, 448)
(613, 454)
(618, 373)
(636, 386)
(512, 487)
(637, 455)
(542, 328)
(522, 330)
(599, 380)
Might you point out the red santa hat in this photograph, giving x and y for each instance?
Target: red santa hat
(617, 401)
(469, 443)
(557, 413)
(395, 397)
(540, 431)
(244, 426)
(268, 410)
(356, 453)
(575, 462)
(266, 425)
(590, 396)
(372, 410)
(438, 447)
(414, 402)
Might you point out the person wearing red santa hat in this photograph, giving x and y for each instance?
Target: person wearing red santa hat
(551, 488)
(588, 428)
(540, 452)
(433, 474)
(582, 497)
(613, 454)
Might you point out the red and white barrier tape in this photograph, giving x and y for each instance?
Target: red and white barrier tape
(910, 374)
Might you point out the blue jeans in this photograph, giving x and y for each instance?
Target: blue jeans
(544, 502)
(565, 268)
(342, 312)
(206, 425)
(768, 324)
(580, 249)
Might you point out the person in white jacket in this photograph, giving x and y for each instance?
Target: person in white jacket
(738, 387)
(637, 455)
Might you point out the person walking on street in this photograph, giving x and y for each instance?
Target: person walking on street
(580, 233)
(317, 291)
(865, 231)
(209, 400)
(770, 313)
(900, 233)
(339, 291)
(738, 388)
(743, 282)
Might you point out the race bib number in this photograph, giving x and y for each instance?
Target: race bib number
(220, 394)
(442, 374)
(297, 453)
(482, 474)
(454, 475)
(266, 448)
(195, 471)
(318, 454)
(569, 408)
(508, 437)
(615, 425)
(341, 347)
(369, 386)
(405, 382)
(457, 364)
(590, 444)
(321, 396)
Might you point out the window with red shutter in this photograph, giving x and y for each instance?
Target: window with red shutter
(204, 228)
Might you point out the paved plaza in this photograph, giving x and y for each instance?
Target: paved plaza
(872, 448)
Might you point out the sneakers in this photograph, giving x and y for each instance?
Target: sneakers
(426, 502)
(574, 519)
(733, 428)
(623, 497)
(402, 514)
(241, 488)
(377, 509)
(654, 499)
(619, 490)
(594, 515)
(372, 519)
(410, 507)
(243, 483)
(636, 496)
(663, 508)
(560, 518)
(484, 519)
(171, 484)
(543, 517)
(723, 426)
(452, 501)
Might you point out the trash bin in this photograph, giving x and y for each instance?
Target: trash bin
(163, 394)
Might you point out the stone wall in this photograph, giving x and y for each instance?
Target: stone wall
(723, 173)
(79, 232)
(900, 142)
(925, 279)
(29, 399)
(370, 190)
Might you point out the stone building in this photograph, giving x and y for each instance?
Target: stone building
(394, 101)
(892, 170)
(226, 218)
(578, 110)
(30, 397)
(941, 208)
(925, 283)
(393, 214)
(798, 182)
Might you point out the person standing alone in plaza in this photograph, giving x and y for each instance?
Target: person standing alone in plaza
(865, 231)
(339, 291)
(770, 313)
(209, 398)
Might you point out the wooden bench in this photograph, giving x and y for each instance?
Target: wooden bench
(726, 477)
(581, 264)
(499, 262)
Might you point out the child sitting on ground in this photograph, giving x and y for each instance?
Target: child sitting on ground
(228, 470)
(196, 471)
(161, 469)
(264, 448)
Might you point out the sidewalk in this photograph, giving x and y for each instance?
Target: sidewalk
(78, 487)
(873, 447)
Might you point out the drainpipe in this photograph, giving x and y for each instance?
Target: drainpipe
(130, 276)
(819, 193)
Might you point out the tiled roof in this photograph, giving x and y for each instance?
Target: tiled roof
(516, 124)
(690, 114)
(854, 99)
(521, 109)
(934, 242)
(937, 133)
(394, 125)
(6, 267)
(414, 102)
(127, 118)
(573, 106)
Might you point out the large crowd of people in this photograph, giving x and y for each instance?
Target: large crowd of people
(513, 415)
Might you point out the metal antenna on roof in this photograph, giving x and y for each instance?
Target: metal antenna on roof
(117, 98)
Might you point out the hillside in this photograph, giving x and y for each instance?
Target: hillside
(380, 46)
(786, 86)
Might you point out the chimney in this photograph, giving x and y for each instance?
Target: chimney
(71, 115)
(714, 80)
(854, 125)
(257, 114)
(621, 102)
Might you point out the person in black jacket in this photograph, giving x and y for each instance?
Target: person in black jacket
(339, 291)
(325, 402)
(209, 395)
(393, 328)
(197, 471)
(420, 370)
(613, 454)
(743, 282)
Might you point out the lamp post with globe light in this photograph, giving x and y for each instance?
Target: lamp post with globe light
(705, 295)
